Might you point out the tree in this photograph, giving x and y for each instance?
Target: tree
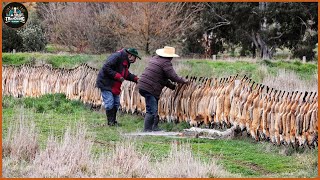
(82, 25)
(66, 24)
(30, 37)
(11, 39)
(33, 38)
(151, 25)
(110, 26)
(193, 43)
(266, 26)
(103, 37)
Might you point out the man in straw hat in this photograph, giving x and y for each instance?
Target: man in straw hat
(110, 77)
(157, 74)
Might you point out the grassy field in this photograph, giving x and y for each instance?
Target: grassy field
(53, 115)
(65, 60)
(288, 75)
(194, 67)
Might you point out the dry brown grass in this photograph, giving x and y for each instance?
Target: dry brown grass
(69, 158)
(124, 161)
(290, 81)
(180, 67)
(19, 147)
(72, 156)
(181, 163)
(21, 142)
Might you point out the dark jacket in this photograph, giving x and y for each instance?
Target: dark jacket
(157, 75)
(116, 66)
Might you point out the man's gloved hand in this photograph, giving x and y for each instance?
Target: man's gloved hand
(171, 86)
(136, 79)
(121, 79)
(187, 82)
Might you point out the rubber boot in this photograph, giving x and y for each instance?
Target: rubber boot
(110, 117)
(114, 115)
(148, 122)
(155, 124)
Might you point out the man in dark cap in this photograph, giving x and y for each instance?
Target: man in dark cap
(110, 77)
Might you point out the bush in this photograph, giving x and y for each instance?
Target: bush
(10, 39)
(68, 158)
(21, 142)
(33, 38)
(32, 35)
(192, 45)
(304, 51)
(10, 102)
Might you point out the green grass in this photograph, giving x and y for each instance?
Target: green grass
(17, 58)
(53, 114)
(54, 48)
(208, 68)
(243, 156)
(305, 71)
(56, 60)
(257, 71)
(220, 69)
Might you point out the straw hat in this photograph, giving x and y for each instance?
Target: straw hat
(167, 51)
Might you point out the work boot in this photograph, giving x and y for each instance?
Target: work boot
(148, 122)
(114, 114)
(155, 124)
(110, 117)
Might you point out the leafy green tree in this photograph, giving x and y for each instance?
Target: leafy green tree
(30, 37)
(33, 37)
(193, 43)
(32, 34)
(11, 39)
(261, 26)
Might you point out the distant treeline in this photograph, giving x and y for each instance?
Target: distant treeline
(258, 29)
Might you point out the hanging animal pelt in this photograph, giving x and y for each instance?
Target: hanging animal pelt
(288, 118)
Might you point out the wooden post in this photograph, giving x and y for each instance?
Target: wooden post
(214, 57)
(304, 60)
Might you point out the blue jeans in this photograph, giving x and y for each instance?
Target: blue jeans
(151, 102)
(110, 100)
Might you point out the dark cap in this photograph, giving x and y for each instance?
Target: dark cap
(134, 52)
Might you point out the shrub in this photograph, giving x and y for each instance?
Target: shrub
(11, 39)
(181, 163)
(69, 158)
(33, 38)
(21, 142)
(304, 51)
(126, 161)
(32, 35)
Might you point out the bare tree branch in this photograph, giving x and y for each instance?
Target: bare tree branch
(218, 25)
